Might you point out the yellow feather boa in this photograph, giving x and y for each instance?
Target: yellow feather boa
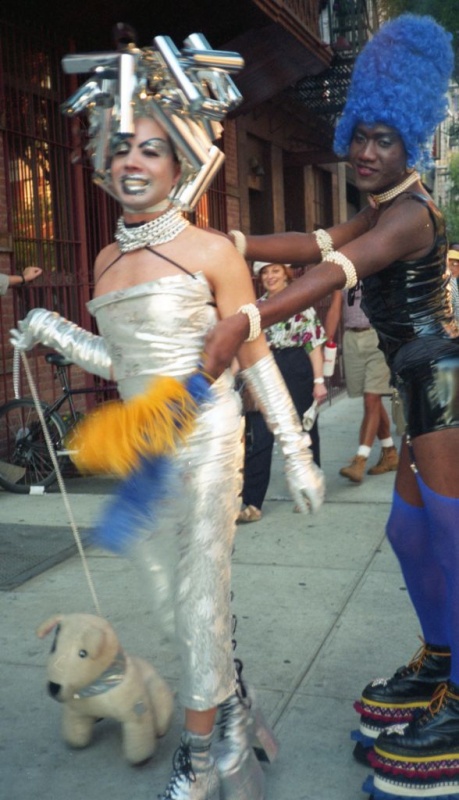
(114, 437)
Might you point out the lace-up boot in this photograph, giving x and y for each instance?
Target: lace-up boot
(386, 701)
(388, 461)
(242, 731)
(241, 776)
(195, 774)
(260, 735)
(355, 470)
(422, 754)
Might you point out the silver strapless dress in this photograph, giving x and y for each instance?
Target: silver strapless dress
(159, 328)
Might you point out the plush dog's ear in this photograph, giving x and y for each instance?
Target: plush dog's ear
(94, 641)
(48, 625)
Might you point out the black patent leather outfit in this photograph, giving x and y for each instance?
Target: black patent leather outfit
(409, 304)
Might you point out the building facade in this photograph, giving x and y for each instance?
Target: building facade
(279, 173)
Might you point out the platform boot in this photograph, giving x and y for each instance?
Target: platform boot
(261, 737)
(395, 700)
(242, 737)
(195, 775)
(420, 758)
(241, 776)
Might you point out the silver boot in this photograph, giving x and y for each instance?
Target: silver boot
(241, 776)
(261, 737)
(195, 775)
(242, 735)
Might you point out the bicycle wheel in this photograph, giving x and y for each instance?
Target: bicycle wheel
(25, 462)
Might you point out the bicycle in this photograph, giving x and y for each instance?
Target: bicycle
(26, 466)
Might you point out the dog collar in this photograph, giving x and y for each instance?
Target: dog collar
(112, 676)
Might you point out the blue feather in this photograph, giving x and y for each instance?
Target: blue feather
(137, 499)
(199, 388)
(135, 503)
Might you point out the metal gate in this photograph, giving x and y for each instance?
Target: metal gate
(51, 214)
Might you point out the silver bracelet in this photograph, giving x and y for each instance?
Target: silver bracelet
(324, 242)
(240, 242)
(346, 265)
(319, 380)
(253, 313)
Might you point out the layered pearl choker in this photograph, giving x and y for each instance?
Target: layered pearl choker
(375, 200)
(158, 231)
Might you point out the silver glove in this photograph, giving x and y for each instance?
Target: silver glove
(305, 479)
(47, 327)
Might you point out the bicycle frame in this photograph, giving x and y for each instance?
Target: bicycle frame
(25, 462)
(61, 365)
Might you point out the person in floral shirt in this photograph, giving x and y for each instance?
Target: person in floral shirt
(297, 348)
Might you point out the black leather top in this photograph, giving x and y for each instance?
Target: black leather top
(411, 299)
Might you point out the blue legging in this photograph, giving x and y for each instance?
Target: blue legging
(426, 542)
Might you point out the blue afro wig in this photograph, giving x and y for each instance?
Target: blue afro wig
(400, 79)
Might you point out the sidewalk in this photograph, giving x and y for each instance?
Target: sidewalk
(321, 609)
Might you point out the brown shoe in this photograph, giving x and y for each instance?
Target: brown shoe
(249, 514)
(388, 461)
(356, 469)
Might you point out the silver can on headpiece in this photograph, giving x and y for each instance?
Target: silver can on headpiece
(187, 92)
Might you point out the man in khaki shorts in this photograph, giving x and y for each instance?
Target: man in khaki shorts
(367, 375)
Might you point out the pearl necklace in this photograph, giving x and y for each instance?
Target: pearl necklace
(158, 231)
(375, 200)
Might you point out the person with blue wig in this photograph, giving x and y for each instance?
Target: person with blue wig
(397, 247)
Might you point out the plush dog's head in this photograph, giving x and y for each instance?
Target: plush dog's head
(84, 647)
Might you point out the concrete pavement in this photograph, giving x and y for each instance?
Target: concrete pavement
(321, 609)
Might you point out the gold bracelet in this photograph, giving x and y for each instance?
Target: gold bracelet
(253, 313)
(346, 265)
(324, 242)
(239, 241)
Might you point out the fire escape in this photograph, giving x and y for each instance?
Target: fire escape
(346, 25)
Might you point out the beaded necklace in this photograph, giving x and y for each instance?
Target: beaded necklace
(375, 200)
(157, 231)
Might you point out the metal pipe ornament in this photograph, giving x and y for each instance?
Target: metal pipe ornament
(187, 92)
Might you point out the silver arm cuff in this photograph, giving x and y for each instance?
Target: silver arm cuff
(305, 479)
(78, 345)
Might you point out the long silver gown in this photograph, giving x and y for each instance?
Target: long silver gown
(159, 328)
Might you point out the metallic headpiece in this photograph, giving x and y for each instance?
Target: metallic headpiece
(187, 92)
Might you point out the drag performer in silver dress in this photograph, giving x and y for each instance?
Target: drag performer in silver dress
(159, 289)
(158, 328)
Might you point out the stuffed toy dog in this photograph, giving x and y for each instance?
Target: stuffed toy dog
(93, 677)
